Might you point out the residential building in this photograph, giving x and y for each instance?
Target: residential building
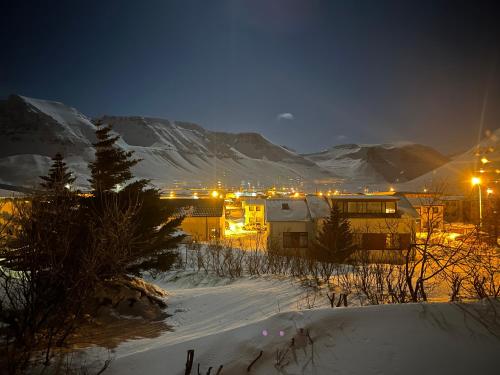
(254, 213)
(289, 225)
(378, 222)
(204, 218)
(431, 212)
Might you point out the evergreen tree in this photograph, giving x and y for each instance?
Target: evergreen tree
(153, 230)
(111, 167)
(335, 240)
(59, 176)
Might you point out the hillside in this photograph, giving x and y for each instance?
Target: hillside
(32, 130)
(367, 165)
(455, 176)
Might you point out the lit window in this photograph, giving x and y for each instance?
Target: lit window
(390, 207)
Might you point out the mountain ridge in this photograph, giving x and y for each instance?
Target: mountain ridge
(184, 153)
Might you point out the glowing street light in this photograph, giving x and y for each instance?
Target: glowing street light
(215, 194)
(484, 160)
(477, 181)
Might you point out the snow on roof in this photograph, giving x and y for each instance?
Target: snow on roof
(453, 198)
(318, 207)
(405, 207)
(254, 201)
(359, 197)
(287, 210)
(417, 202)
(10, 194)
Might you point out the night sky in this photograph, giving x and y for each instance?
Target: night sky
(306, 74)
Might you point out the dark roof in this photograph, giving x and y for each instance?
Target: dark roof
(18, 189)
(202, 207)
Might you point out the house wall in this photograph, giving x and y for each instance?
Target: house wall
(204, 228)
(431, 215)
(6, 211)
(276, 229)
(254, 215)
(372, 233)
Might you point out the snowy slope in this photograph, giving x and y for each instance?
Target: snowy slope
(368, 165)
(455, 175)
(229, 323)
(33, 130)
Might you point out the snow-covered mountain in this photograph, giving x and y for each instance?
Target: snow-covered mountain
(455, 176)
(32, 131)
(371, 165)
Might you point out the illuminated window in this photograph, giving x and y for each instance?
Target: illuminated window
(390, 207)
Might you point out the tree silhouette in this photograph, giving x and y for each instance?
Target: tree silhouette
(334, 242)
(111, 168)
(59, 176)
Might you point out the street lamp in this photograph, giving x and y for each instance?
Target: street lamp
(477, 181)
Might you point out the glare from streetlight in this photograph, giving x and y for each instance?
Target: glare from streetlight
(475, 181)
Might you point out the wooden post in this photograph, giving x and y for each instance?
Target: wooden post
(189, 361)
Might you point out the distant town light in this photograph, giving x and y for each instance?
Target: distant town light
(215, 194)
(296, 195)
(172, 194)
(484, 160)
(425, 190)
(67, 186)
(475, 181)
(489, 191)
(391, 189)
(195, 196)
(320, 193)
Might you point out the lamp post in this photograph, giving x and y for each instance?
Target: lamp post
(477, 181)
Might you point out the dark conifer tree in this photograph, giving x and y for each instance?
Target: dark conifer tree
(335, 240)
(153, 233)
(111, 167)
(59, 176)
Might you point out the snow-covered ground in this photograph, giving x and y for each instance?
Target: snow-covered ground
(229, 322)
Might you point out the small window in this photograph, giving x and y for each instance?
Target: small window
(390, 207)
(435, 210)
(285, 206)
(257, 208)
(295, 240)
(251, 208)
